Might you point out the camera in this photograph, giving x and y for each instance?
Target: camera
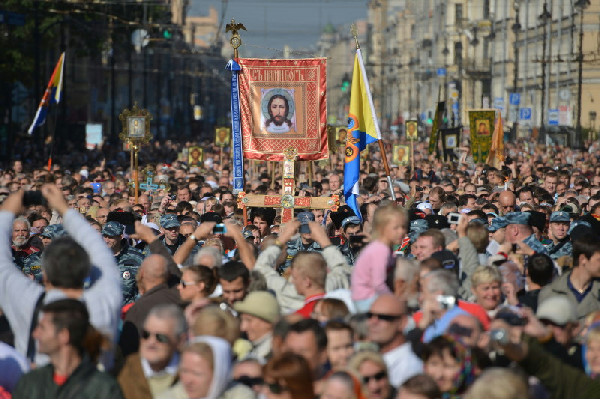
(219, 228)
(511, 317)
(500, 336)
(33, 198)
(453, 218)
(446, 301)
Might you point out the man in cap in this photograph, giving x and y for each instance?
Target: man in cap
(169, 227)
(351, 227)
(518, 231)
(417, 227)
(497, 230)
(127, 257)
(259, 312)
(558, 232)
(51, 232)
(303, 243)
(557, 313)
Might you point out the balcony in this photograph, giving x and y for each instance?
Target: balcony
(478, 68)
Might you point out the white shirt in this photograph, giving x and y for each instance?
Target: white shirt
(171, 368)
(402, 364)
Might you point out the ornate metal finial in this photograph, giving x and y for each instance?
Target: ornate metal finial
(290, 153)
(136, 126)
(236, 40)
(354, 33)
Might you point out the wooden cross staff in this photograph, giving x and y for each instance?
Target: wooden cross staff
(287, 201)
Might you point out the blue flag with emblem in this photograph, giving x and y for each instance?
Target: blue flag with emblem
(236, 131)
(363, 129)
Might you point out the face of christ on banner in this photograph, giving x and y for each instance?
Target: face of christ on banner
(278, 111)
(483, 127)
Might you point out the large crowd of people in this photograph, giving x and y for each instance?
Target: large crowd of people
(472, 281)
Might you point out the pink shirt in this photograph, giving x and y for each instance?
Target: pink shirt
(370, 271)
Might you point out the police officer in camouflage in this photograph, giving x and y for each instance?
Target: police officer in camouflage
(33, 264)
(127, 257)
(351, 227)
(304, 242)
(169, 227)
(558, 232)
(518, 231)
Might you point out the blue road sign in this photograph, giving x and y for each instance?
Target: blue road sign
(553, 117)
(515, 99)
(441, 72)
(525, 114)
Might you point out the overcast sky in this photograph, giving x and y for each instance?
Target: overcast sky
(272, 24)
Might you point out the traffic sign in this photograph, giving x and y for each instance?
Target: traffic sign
(499, 103)
(553, 117)
(515, 99)
(525, 114)
(441, 72)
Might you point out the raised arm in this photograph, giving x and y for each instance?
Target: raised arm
(244, 247)
(339, 272)
(18, 294)
(108, 286)
(145, 233)
(203, 231)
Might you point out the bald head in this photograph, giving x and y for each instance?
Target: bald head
(389, 304)
(507, 201)
(386, 321)
(152, 272)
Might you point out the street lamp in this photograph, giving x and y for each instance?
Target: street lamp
(580, 5)
(544, 17)
(516, 28)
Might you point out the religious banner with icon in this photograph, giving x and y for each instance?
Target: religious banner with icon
(450, 140)
(222, 136)
(283, 105)
(195, 156)
(342, 134)
(401, 155)
(481, 125)
(412, 132)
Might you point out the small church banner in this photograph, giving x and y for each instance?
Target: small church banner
(283, 105)
(481, 126)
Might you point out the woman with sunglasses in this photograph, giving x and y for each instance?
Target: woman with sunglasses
(372, 370)
(288, 376)
(205, 373)
(197, 282)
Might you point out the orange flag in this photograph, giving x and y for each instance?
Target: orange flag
(496, 155)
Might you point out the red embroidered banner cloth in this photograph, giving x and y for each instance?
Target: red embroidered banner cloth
(283, 104)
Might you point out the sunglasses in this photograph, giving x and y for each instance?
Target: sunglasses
(250, 381)
(186, 283)
(377, 377)
(382, 316)
(276, 388)
(162, 338)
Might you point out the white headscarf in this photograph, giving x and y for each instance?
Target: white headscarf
(221, 364)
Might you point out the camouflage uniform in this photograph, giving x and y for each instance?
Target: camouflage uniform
(32, 265)
(295, 246)
(563, 248)
(348, 253)
(129, 260)
(523, 219)
(534, 244)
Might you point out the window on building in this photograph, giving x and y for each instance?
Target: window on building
(458, 14)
